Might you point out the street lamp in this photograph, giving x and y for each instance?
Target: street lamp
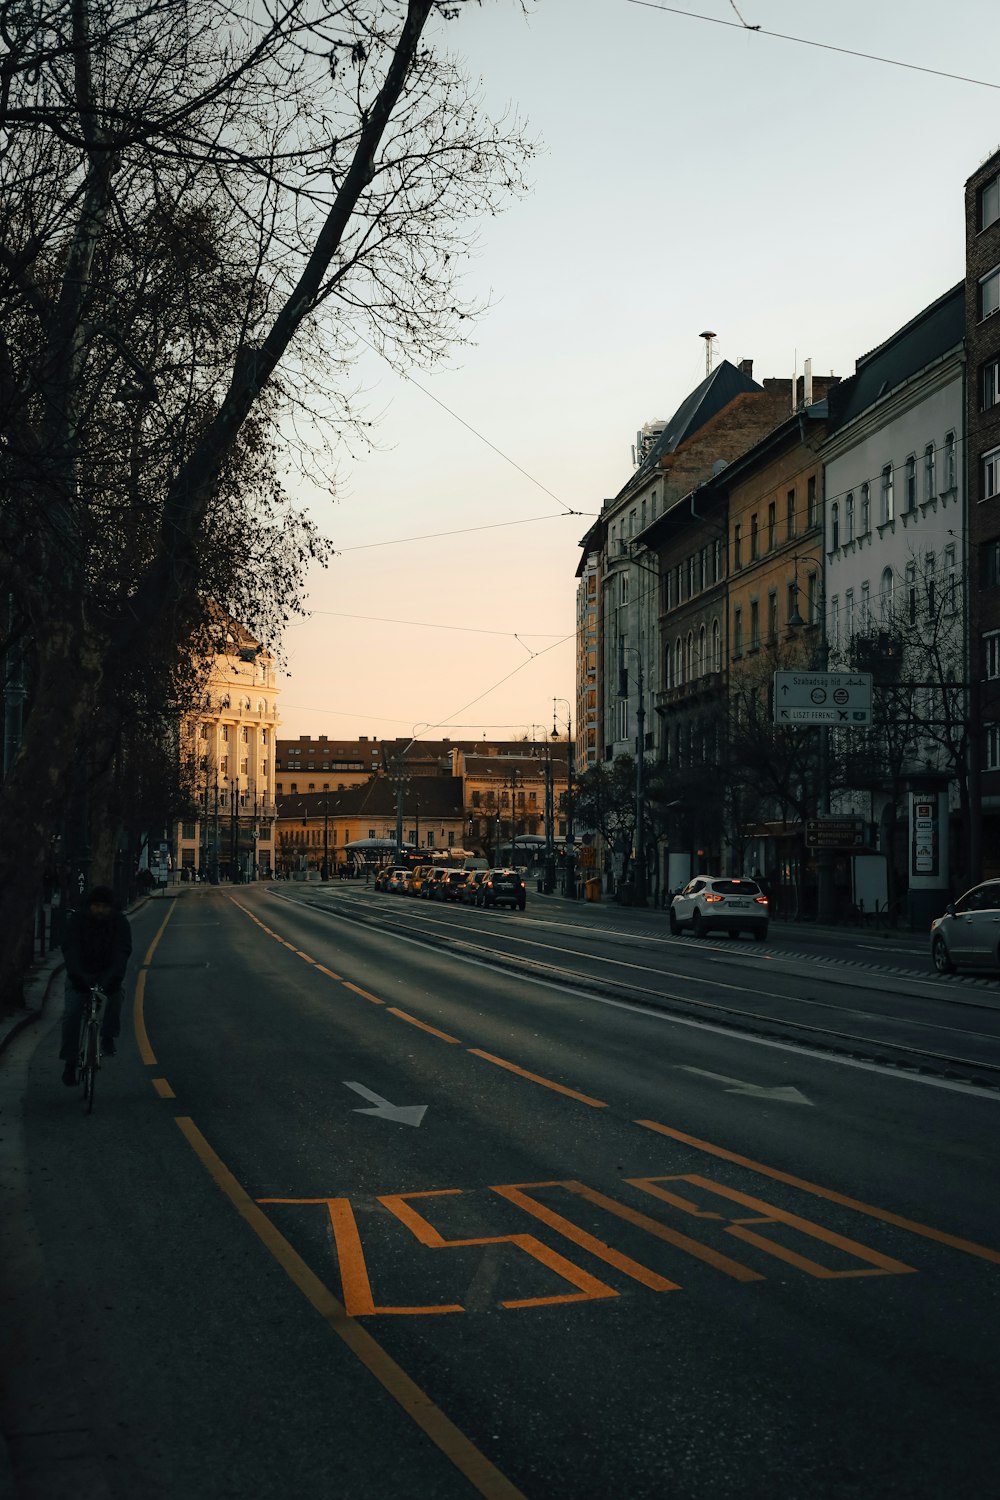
(570, 885)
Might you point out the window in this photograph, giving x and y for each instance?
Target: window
(737, 631)
(753, 537)
(835, 619)
(737, 546)
(717, 566)
(623, 579)
(790, 513)
(991, 654)
(992, 747)
(834, 526)
(989, 293)
(689, 657)
(849, 611)
(793, 603)
(866, 509)
(951, 580)
(678, 663)
(911, 483)
(930, 486)
(772, 615)
(811, 499)
(702, 649)
(950, 472)
(754, 625)
(991, 474)
(622, 719)
(885, 596)
(886, 497)
(990, 564)
(989, 383)
(989, 203)
(772, 527)
(716, 647)
(849, 517)
(930, 572)
(203, 732)
(911, 592)
(866, 609)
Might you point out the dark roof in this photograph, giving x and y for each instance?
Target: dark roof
(716, 391)
(921, 341)
(437, 797)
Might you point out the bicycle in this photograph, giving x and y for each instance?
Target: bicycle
(90, 1044)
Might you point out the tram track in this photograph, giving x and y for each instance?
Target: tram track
(879, 1051)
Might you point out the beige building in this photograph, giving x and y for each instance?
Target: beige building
(227, 749)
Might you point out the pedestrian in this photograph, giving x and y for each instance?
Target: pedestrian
(96, 949)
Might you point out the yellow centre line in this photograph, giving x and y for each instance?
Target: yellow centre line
(139, 997)
(546, 1083)
(405, 1016)
(484, 1477)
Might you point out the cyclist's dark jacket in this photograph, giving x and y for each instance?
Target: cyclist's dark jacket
(96, 952)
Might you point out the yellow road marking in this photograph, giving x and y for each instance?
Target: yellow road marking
(163, 1088)
(405, 1016)
(969, 1247)
(671, 1236)
(139, 997)
(590, 1289)
(328, 972)
(358, 1299)
(516, 1195)
(363, 993)
(766, 1213)
(484, 1477)
(546, 1083)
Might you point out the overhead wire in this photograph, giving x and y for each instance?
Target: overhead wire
(802, 41)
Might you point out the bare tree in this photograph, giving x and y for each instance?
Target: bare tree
(202, 208)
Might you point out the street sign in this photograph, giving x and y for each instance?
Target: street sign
(835, 833)
(840, 699)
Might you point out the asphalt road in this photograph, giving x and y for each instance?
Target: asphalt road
(366, 1211)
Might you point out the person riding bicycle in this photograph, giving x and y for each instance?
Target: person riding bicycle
(96, 949)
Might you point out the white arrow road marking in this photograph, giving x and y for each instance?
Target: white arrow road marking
(403, 1114)
(785, 1094)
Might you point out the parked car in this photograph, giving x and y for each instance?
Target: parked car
(504, 888)
(721, 903)
(450, 886)
(472, 889)
(434, 876)
(967, 936)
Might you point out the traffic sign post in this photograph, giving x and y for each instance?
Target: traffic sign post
(842, 700)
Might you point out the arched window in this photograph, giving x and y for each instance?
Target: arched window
(886, 596)
(849, 517)
(716, 647)
(689, 657)
(834, 526)
(702, 644)
(678, 663)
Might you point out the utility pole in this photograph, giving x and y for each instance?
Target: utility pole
(325, 872)
(550, 853)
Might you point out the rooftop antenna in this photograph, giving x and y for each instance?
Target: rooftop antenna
(709, 338)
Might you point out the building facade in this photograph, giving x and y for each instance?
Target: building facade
(227, 749)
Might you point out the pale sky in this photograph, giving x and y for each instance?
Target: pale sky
(797, 201)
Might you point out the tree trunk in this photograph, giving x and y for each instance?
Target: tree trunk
(67, 673)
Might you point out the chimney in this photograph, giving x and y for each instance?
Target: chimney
(745, 367)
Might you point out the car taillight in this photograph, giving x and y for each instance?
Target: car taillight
(761, 900)
(714, 898)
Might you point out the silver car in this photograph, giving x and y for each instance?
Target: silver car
(968, 935)
(723, 903)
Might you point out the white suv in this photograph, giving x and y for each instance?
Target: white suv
(726, 902)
